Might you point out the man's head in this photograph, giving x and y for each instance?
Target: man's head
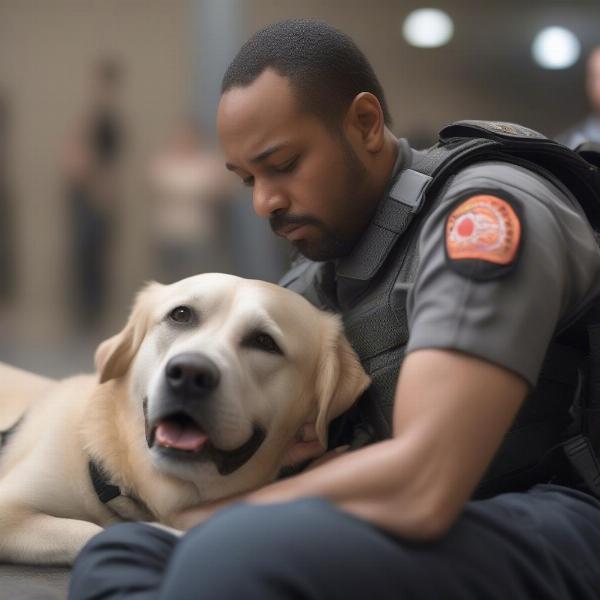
(303, 120)
(593, 79)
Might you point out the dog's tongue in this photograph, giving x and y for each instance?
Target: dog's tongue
(181, 436)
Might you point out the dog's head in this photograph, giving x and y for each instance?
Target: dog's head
(225, 372)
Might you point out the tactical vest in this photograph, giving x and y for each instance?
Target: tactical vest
(369, 289)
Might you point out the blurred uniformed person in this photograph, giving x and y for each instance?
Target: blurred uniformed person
(587, 130)
(466, 289)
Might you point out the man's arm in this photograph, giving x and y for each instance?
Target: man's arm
(451, 412)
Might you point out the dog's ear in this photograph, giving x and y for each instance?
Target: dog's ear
(341, 378)
(115, 354)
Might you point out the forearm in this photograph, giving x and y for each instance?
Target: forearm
(379, 483)
(382, 483)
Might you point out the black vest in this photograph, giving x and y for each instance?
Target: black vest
(369, 289)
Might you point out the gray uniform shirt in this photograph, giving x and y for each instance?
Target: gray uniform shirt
(508, 320)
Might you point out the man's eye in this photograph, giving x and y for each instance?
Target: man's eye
(181, 314)
(264, 342)
(248, 181)
(287, 167)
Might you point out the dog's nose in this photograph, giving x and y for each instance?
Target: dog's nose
(191, 374)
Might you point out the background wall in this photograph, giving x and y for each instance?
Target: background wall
(174, 52)
(46, 49)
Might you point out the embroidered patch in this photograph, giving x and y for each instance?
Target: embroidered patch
(484, 228)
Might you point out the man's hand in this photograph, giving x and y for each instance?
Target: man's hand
(327, 457)
(306, 446)
(188, 518)
(198, 514)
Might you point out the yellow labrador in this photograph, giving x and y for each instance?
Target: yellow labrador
(201, 396)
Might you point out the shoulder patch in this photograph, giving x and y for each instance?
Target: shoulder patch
(483, 236)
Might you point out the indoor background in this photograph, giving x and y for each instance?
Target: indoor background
(163, 60)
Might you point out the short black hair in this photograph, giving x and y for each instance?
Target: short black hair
(324, 65)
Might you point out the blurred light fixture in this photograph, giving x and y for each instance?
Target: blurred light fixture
(555, 48)
(428, 28)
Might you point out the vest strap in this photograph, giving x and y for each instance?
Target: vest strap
(409, 188)
(580, 454)
(395, 213)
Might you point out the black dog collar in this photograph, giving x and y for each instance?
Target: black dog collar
(105, 490)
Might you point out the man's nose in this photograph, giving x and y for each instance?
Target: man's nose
(266, 199)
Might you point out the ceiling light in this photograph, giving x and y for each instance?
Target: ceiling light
(555, 48)
(428, 28)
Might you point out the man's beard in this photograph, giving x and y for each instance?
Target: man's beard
(332, 245)
(328, 248)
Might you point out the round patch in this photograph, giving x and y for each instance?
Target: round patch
(483, 227)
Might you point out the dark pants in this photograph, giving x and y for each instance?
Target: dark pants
(544, 544)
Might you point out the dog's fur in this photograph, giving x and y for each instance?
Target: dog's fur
(48, 507)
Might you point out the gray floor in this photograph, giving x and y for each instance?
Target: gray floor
(18, 582)
(57, 359)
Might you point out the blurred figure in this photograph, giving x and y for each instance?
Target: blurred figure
(587, 130)
(7, 225)
(191, 193)
(92, 158)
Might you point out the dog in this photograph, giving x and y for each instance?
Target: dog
(203, 394)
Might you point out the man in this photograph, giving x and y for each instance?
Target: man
(494, 263)
(587, 130)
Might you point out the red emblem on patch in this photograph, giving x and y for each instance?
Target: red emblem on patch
(483, 227)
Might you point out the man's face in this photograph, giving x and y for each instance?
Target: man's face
(307, 179)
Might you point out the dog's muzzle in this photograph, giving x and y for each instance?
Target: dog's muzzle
(176, 429)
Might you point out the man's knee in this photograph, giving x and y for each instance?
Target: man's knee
(300, 536)
(251, 550)
(117, 556)
(272, 528)
(309, 548)
(130, 537)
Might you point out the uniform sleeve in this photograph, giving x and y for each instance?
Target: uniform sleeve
(501, 304)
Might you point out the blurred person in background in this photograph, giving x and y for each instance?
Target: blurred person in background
(92, 158)
(190, 192)
(587, 130)
(7, 225)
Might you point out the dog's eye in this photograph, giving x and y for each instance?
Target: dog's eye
(181, 314)
(263, 341)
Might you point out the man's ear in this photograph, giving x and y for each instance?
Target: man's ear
(114, 355)
(366, 122)
(341, 378)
